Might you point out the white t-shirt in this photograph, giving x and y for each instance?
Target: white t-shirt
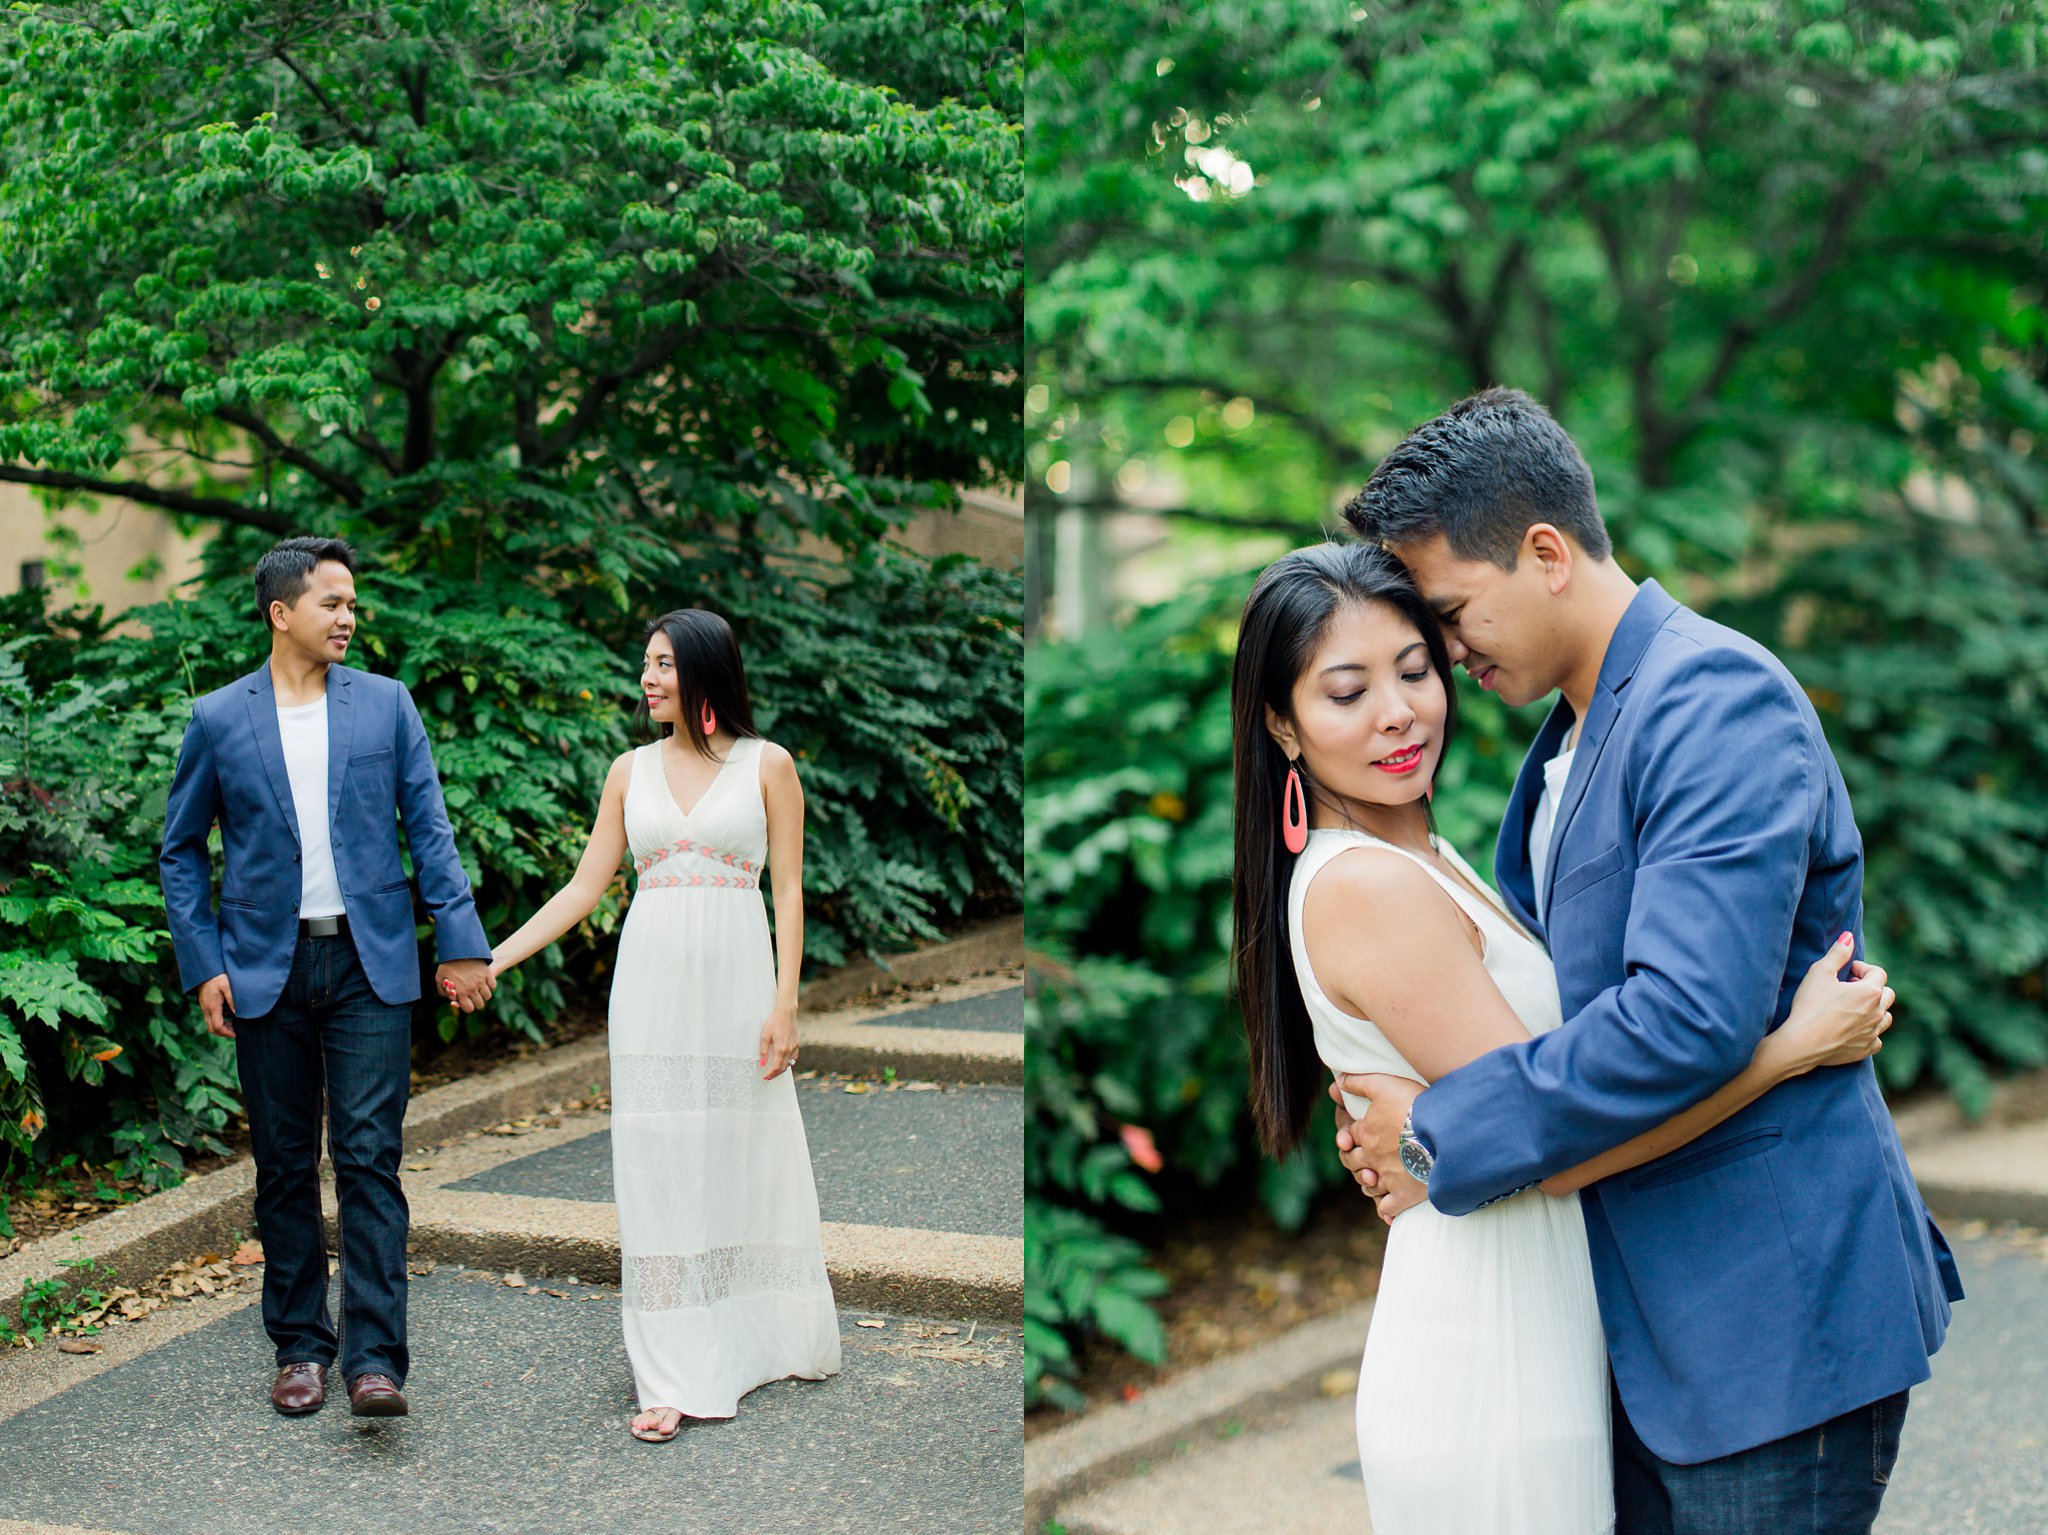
(304, 730)
(1555, 772)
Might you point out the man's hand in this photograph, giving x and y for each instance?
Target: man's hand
(217, 1001)
(466, 983)
(1370, 1148)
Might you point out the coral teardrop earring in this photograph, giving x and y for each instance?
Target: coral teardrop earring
(1294, 814)
(708, 720)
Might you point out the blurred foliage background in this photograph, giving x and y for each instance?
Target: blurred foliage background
(565, 315)
(1779, 269)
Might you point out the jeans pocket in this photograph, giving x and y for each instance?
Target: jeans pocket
(1887, 1420)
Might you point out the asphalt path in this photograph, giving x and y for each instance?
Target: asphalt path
(1974, 1456)
(520, 1405)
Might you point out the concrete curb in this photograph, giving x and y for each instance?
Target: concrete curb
(2027, 1207)
(211, 1212)
(917, 1273)
(1120, 1439)
(934, 1055)
(992, 945)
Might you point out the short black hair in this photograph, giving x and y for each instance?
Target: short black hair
(285, 572)
(1482, 474)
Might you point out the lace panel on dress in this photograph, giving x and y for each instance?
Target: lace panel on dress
(677, 1281)
(687, 1084)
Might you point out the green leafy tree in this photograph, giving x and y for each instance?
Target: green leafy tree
(565, 315)
(329, 260)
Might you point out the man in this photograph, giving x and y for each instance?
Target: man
(312, 963)
(1681, 838)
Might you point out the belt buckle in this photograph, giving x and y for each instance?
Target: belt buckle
(323, 927)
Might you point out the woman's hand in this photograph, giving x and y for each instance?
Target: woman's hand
(778, 1043)
(497, 967)
(1834, 1022)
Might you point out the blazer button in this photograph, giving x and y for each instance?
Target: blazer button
(295, 858)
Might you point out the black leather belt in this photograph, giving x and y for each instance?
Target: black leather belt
(323, 927)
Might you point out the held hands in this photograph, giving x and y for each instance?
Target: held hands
(778, 1043)
(217, 1002)
(466, 983)
(1835, 1022)
(1370, 1147)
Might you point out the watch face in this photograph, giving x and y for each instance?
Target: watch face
(1416, 1160)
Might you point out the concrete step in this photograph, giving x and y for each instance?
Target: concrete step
(972, 1031)
(920, 1192)
(520, 1401)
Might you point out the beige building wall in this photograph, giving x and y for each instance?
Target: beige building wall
(120, 536)
(113, 541)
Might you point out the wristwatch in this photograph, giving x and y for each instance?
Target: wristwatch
(1415, 1157)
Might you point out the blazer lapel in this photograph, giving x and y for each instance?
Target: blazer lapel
(1511, 871)
(1645, 616)
(262, 701)
(341, 724)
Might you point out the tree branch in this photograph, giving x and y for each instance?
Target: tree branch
(298, 458)
(364, 136)
(151, 495)
(651, 355)
(1346, 454)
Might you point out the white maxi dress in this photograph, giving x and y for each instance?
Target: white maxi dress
(722, 1266)
(1482, 1395)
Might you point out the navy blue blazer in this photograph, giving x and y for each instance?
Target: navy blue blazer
(231, 771)
(1781, 1269)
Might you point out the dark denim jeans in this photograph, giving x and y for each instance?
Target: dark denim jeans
(1827, 1480)
(330, 1036)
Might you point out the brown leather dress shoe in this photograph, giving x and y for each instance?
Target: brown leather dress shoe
(300, 1388)
(376, 1396)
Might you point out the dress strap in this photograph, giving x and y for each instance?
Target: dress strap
(1477, 909)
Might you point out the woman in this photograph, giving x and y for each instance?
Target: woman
(723, 1271)
(1482, 1398)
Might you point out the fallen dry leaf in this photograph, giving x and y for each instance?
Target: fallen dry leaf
(76, 1346)
(856, 1087)
(870, 1324)
(515, 1281)
(249, 1252)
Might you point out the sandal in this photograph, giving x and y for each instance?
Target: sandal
(652, 1434)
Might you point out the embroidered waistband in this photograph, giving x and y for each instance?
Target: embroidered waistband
(743, 874)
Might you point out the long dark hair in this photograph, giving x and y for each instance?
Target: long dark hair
(708, 668)
(1284, 620)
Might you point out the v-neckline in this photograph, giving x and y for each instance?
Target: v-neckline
(669, 789)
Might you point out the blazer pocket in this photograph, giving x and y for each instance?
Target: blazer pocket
(1600, 866)
(401, 884)
(364, 759)
(230, 900)
(1708, 1158)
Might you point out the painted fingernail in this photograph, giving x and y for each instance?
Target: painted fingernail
(1846, 938)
